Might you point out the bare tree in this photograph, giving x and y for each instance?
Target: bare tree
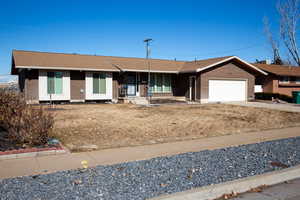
(289, 16)
(274, 44)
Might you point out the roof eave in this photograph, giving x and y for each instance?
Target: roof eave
(65, 68)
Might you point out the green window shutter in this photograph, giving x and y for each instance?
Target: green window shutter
(167, 83)
(159, 83)
(102, 83)
(58, 82)
(96, 83)
(50, 82)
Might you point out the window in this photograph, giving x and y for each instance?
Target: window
(298, 80)
(160, 83)
(167, 83)
(54, 82)
(99, 83)
(284, 79)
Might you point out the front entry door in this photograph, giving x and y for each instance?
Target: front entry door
(192, 88)
(131, 85)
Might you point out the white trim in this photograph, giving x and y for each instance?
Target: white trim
(137, 83)
(43, 91)
(92, 69)
(89, 95)
(231, 58)
(190, 87)
(66, 68)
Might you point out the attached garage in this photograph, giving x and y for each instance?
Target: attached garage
(227, 90)
(232, 80)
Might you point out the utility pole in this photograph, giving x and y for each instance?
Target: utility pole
(147, 41)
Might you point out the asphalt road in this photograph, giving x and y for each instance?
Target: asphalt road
(283, 191)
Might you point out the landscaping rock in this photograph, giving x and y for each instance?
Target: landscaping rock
(157, 176)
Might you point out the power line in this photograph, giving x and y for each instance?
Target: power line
(228, 52)
(234, 50)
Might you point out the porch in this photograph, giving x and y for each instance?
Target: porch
(133, 86)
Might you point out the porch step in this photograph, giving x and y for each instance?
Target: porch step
(137, 100)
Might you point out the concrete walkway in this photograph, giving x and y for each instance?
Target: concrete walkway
(47, 164)
(276, 106)
(284, 191)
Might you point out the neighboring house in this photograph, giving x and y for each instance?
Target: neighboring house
(73, 77)
(281, 79)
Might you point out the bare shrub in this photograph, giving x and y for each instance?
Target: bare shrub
(24, 123)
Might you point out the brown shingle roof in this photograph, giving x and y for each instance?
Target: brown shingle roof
(281, 70)
(45, 60)
(78, 61)
(198, 64)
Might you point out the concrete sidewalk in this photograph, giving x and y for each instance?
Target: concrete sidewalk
(289, 107)
(47, 164)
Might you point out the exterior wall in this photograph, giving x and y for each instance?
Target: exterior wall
(228, 70)
(30, 84)
(268, 84)
(21, 80)
(272, 85)
(116, 77)
(285, 88)
(77, 85)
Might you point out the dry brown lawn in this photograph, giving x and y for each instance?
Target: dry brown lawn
(116, 125)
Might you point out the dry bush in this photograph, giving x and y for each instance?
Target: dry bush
(24, 123)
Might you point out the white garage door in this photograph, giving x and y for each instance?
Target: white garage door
(226, 90)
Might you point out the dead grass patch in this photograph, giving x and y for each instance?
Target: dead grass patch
(116, 125)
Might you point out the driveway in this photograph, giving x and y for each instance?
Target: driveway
(275, 106)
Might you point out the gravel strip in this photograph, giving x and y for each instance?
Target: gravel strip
(150, 178)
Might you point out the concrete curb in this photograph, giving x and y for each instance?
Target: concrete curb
(238, 186)
(33, 154)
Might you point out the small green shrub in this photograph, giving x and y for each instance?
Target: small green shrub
(268, 96)
(24, 123)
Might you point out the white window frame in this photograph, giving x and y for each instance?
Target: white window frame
(89, 95)
(43, 90)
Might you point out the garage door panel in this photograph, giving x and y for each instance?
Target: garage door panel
(226, 90)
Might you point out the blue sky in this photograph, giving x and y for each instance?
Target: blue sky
(184, 30)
